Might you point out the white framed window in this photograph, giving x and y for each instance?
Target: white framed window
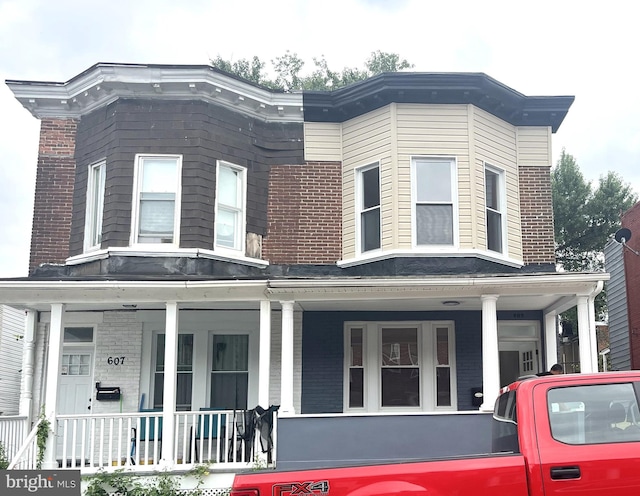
(156, 199)
(184, 379)
(392, 366)
(229, 374)
(230, 208)
(95, 206)
(435, 206)
(494, 187)
(368, 207)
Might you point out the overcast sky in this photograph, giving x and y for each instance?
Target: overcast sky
(587, 49)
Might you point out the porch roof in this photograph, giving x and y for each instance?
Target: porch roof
(547, 292)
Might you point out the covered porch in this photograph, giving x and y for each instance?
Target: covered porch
(222, 348)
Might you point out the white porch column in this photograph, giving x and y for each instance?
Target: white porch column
(490, 355)
(593, 333)
(56, 337)
(169, 391)
(584, 336)
(264, 360)
(550, 339)
(28, 360)
(286, 373)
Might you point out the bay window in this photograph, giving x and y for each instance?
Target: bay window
(368, 184)
(494, 199)
(230, 206)
(95, 206)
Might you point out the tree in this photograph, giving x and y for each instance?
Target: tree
(584, 219)
(288, 68)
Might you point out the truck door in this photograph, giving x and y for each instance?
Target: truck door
(588, 438)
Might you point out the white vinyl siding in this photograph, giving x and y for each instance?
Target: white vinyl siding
(323, 141)
(366, 139)
(432, 131)
(534, 146)
(12, 322)
(495, 143)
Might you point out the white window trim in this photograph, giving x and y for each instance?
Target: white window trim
(502, 191)
(454, 200)
(135, 208)
(371, 360)
(89, 229)
(243, 218)
(358, 203)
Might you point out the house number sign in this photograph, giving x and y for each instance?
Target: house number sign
(115, 360)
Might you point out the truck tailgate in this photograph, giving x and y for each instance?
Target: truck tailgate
(477, 476)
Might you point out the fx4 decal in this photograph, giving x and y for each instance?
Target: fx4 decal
(320, 488)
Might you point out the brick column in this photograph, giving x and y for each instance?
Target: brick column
(536, 211)
(54, 192)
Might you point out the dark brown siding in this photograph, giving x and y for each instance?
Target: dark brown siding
(53, 197)
(536, 211)
(202, 133)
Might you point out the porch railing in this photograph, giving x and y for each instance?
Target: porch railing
(13, 431)
(222, 438)
(26, 456)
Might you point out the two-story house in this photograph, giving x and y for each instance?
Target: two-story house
(376, 260)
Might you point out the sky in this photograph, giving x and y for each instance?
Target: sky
(585, 49)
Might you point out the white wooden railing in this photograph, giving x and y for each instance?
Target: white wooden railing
(135, 440)
(13, 431)
(26, 456)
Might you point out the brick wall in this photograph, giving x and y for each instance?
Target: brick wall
(119, 335)
(304, 214)
(54, 192)
(631, 220)
(536, 210)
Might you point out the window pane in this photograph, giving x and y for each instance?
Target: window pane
(494, 231)
(226, 228)
(228, 182)
(184, 376)
(230, 352)
(183, 391)
(399, 347)
(434, 224)
(185, 352)
(356, 347)
(78, 334)
(95, 208)
(159, 175)
(371, 188)
(491, 186)
(442, 346)
(443, 386)
(370, 226)
(433, 181)
(157, 218)
(400, 387)
(356, 388)
(229, 390)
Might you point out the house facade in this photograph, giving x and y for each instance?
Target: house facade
(376, 261)
(622, 261)
(11, 329)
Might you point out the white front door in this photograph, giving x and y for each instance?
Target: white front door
(517, 359)
(74, 395)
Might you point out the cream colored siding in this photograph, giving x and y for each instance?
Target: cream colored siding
(495, 144)
(534, 146)
(366, 140)
(322, 141)
(431, 130)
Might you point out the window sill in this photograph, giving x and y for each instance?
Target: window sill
(164, 251)
(428, 253)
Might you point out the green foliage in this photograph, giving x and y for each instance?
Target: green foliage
(585, 219)
(4, 460)
(42, 434)
(288, 69)
(132, 484)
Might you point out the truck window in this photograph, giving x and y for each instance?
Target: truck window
(594, 414)
(504, 427)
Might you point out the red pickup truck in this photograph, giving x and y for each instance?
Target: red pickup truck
(576, 434)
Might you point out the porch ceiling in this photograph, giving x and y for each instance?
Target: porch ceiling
(515, 292)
